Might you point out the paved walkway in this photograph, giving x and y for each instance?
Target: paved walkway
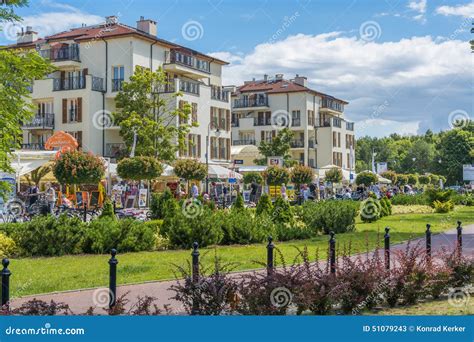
(80, 301)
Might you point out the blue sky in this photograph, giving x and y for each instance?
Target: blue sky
(404, 65)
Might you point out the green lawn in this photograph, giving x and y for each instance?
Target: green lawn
(43, 275)
(433, 308)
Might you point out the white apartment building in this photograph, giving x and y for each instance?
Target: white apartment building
(322, 136)
(92, 63)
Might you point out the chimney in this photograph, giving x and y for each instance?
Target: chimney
(27, 36)
(265, 77)
(111, 20)
(279, 77)
(147, 26)
(301, 80)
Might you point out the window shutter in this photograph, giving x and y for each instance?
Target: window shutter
(228, 149)
(262, 136)
(199, 145)
(227, 120)
(64, 111)
(212, 147)
(85, 71)
(79, 109)
(190, 145)
(79, 138)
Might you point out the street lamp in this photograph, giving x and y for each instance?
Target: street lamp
(207, 153)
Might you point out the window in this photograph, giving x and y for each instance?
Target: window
(334, 140)
(348, 160)
(338, 139)
(296, 118)
(194, 146)
(72, 110)
(311, 121)
(118, 75)
(182, 104)
(214, 118)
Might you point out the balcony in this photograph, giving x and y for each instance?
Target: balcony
(187, 64)
(40, 121)
(70, 83)
(117, 84)
(324, 123)
(33, 146)
(297, 143)
(235, 123)
(336, 122)
(349, 126)
(189, 87)
(244, 142)
(332, 106)
(311, 143)
(98, 84)
(64, 56)
(260, 102)
(218, 93)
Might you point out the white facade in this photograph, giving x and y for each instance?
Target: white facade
(92, 62)
(322, 136)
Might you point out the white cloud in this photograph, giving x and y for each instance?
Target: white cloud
(381, 128)
(420, 8)
(466, 11)
(415, 80)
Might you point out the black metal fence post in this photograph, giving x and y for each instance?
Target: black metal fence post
(428, 242)
(459, 241)
(5, 282)
(270, 248)
(195, 277)
(112, 278)
(115, 206)
(85, 212)
(332, 252)
(387, 248)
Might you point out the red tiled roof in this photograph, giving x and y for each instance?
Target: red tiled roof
(107, 31)
(280, 86)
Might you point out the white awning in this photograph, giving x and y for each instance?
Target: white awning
(23, 162)
(217, 171)
(253, 168)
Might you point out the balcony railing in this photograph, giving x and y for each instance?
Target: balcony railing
(97, 83)
(187, 60)
(44, 121)
(311, 143)
(32, 146)
(324, 123)
(117, 84)
(66, 53)
(336, 122)
(244, 142)
(235, 123)
(69, 83)
(350, 126)
(218, 93)
(297, 143)
(332, 104)
(262, 122)
(248, 103)
(189, 87)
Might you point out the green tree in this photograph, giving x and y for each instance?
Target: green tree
(402, 179)
(18, 69)
(250, 177)
(190, 169)
(366, 178)
(455, 148)
(77, 167)
(278, 146)
(333, 175)
(412, 179)
(390, 175)
(424, 179)
(139, 168)
(145, 111)
(35, 176)
(276, 175)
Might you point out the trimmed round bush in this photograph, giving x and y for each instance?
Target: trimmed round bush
(264, 205)
(7, 246)
(76, 167)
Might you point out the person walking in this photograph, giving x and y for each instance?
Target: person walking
(50, 196)
(194, 190)
(283, 191)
